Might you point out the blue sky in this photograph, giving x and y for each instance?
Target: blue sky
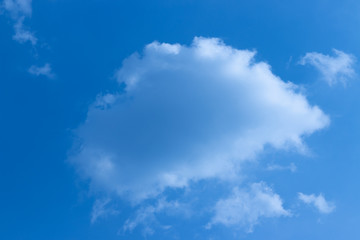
(179, 119)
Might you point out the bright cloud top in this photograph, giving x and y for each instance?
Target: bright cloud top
(246, 207)
(319, 202)
(188, 113)
(337, 68)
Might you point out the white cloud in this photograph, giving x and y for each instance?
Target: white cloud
(19, 10)
(102, 208)
(245, 208)
(44, 70)
(337, 68)
(188, 113)
(319, 202)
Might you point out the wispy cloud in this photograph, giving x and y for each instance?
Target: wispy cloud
(245, 207)
(102, 209)
(42, 71)
(22, 35)
(275, 167)
(19, 10)
(336, 68)
(146, 216)
(319, 201)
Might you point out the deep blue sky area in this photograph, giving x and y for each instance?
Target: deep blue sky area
(44, 196)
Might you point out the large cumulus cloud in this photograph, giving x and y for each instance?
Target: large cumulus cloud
(188, 113)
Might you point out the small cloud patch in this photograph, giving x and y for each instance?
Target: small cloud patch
(319, 202)
(334, 69)
(246, 207)
(42, 71)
